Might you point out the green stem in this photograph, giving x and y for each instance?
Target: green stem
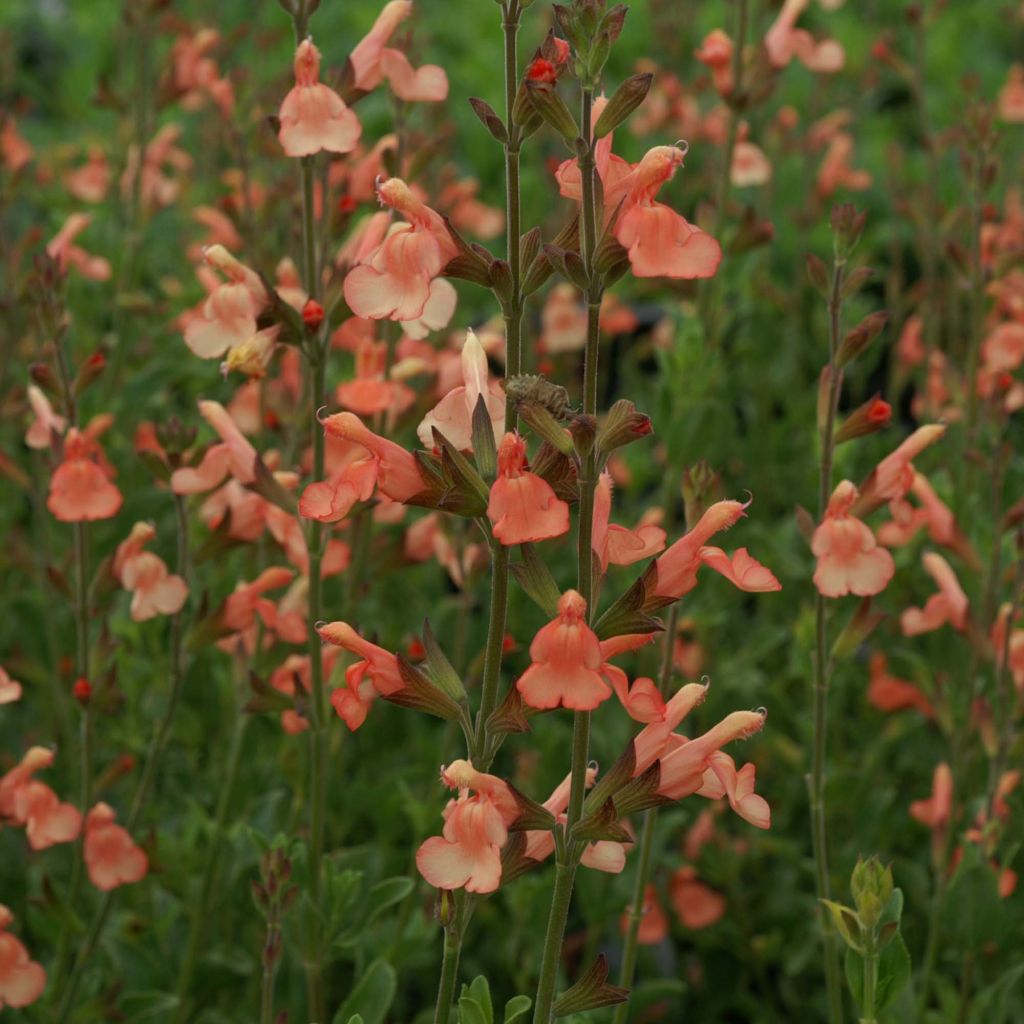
(205, 903)
(154, 759)
(870, 988)
(822, 670)
(493, 652)
(270, 960)
(561, 897)
(454, 933)
(646, 854)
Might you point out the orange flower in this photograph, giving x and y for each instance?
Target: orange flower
(398, 475)
(849, 558)
(399, 279)
(722, 779)
(653, 924)
(154, 590)
(523, 507)
(373, 61)
(22, 980)
(81, 489)
(10, 689)
(376, 673)
(615, 544)
(948, 605)
(567, 667)
(890, 693)
(62, 248)
(453, 415)
(784, 41)
(111, 856)
(313, 116)
(696, 905)
(234, 455)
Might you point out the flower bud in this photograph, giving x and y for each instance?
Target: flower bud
(624, 101)
(871, 885)
(874, 415)
(622, 426)
(312, 314)
(82, 691)
(847, 227)
(857, 340)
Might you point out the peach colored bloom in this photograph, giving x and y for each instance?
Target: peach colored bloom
(369, 392)
(675, 571)
(10, 689)
(522, 506)
(835, 171)
(567, 665)
(90, 182)
(111, 856)
(1011, 96)
(154, 590)
(468, 213)
(654, 922)
(399, 279)
(453, 415)
(684, 765)
(738, 788)
(376, 673)
(81, 489)
(47, 821)
(372, 61)
(948, 605)
(696, 905)
(1003, 348)
(234, 455)
(890, 693)
(936, 810)
(62, 248)
(1013, 646)
(17, 152)
(22, 980)
(34, 759)
(849, 558)
(248, 600)
(910, 350)
(313, 116)
(933, 514)
(716, 53)
(563, 321)
(617, 545)
(784, 41)
(398, 475)
(468, 852)
(893, 477)
(750, 165)
(47, 425)
(330, 501)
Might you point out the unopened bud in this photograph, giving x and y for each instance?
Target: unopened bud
(624, 101)
(622, 426)
(857, 340)
(82, 691)
(874, 415)
(312, 314)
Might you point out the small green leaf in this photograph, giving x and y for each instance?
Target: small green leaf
(372, 995)
(893, 975)
(480, 992)
(387, 893)
(516, 1008)
(470, 1012)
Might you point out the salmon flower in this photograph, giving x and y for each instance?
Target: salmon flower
(849, 558)
(32, 804)
(399, 280)
(372, 61)
(81, 489)
(453, 415)
(155, 591)
(234, 455)
(716, 53)
(893, 477)
(111, 856)
(47, 426)
(674, 573)
(313, 116)
(784, 41)
(377, 673)
(523, 507)
(22, 980)
(933, 514)
(248, 600)
(653, 927)
(90, 181)
(370, 392)
(697, 905)
(722, 779)
(948, 605)
(10, 689)
(62, 248)
(936, 810)
(1008, 645)
(1011, 96)
(330, 501)
(468, 852)
(601, 855)
(398, 475)
(617, 545)
(890, 693)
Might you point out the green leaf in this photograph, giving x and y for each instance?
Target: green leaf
(973, 911)
(387, 893)
(470, 1012)
(893, 975)
(357, 1019)
(990, 1004)
(372, 996)
(516, 1008)
(480, 991)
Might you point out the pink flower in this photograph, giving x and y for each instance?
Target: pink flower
(111, 856)
(716, 53)
(453, 415)
(468, 852)
(835, 171)
(373, 61)
(935, 811)
(234, 455)
(81, 489)
(893, 477)
(399, 280)
(696, 905)
(398, 475)
(615, 544)
(330, 501)
(47, 425)
(22, 980)
(567, 667)
(155, 591)
(784, 41)
(10, 689)
(249, 600)
(523, 507)
(890, 693)
(849, 558)
(738, 787)
(377, 673)
(62, 248)
(370, 392)
(948, 605)
(313, 116)
(675, 572)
